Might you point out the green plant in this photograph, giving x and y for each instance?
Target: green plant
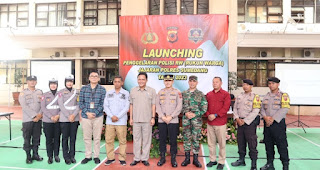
(231, 133)
(18, 77)
(232, 81)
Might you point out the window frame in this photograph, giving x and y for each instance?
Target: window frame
(56, 14)
(96, 4)
(17, 14)
(87, 70)
(255, 82)
(268, 15)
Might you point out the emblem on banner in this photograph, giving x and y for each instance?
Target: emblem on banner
(149, 37)
(172, 34)
(195, 35)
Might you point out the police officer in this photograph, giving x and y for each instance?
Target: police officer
(51, 126)
(168, 107)
(194, 106)
(246, 110)
(30, 99)
(69, 118)
(275, 106)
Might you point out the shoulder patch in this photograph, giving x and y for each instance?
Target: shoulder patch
(285, 101)
(256, 102)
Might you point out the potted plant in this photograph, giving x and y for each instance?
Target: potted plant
(18, 80)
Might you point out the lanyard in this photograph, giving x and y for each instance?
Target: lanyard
(93, 92)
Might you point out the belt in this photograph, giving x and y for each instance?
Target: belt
(70, 107)
(53, 107)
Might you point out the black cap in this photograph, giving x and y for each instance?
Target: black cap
(274, 79)
(32, 78)
(248, 81)
(168, 77)
(193, 78)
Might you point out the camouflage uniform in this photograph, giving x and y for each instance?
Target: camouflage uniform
(196, 103)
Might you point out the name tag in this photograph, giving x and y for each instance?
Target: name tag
(91, 105)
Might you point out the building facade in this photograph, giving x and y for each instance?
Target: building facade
(261, 33)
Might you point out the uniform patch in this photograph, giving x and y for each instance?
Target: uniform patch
(78, 99)
(180, 95)
(256, 102)
(110, 95)
(42, 98)
(48, 99)
(123, 96)
(285, 101)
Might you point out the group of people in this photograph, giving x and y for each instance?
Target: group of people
(60, 111)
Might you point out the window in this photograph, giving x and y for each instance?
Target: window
(170, 7)
(260, 11)
(305, 11)
(103, 12)
(154, 8)
(203, 7)
(55, 14)
(16, 70)
(187, 7)
(107, 69)
(14, 15)
(257, 71)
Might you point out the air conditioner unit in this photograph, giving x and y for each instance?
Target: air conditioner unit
(308, 53)
(59, 54)
(265, 53)
(93, 53)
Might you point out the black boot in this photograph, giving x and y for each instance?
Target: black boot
(196, 161)
(285, 165)
(173, 161)
(29, 159)
(239, 162)
(268, 166)
(186, 160)
(162, 159)
(50, 160)
(253, 164)
(36, 156)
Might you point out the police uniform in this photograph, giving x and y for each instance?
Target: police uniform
(196, 103)
(69, 105)
(277, 106)
(247, 107)
(50, 109)
(31, 107)
(168, 103)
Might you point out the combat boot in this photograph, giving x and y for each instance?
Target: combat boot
(162, 159)
(196, 161)
(186, 160)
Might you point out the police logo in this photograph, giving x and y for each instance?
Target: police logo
(110, 95)
(123, 96)
(195, 35)
(149, 37)
(172, 34)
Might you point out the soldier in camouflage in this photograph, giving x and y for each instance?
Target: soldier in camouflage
(194, 106)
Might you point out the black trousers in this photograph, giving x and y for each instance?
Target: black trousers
(52, 133)
(31, 131)
(247, 135)
(276, 135)
(172, 130)
(69, 136)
